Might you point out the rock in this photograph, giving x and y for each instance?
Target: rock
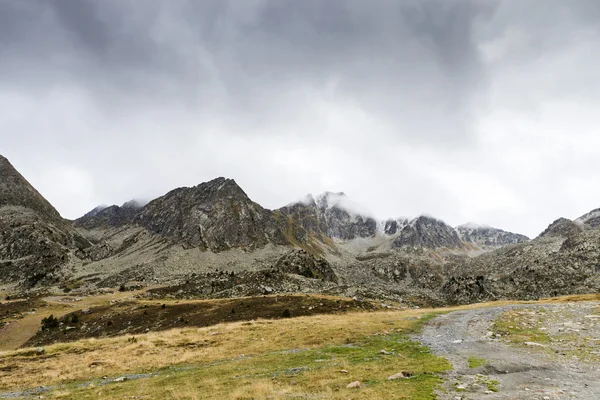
(343, 371)
(354, 385)
(427, 232)
(399, 375)
(385, 353)
(120, 379)
(534, 344)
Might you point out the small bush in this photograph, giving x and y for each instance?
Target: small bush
(286, 313)
(50, 322)
(122, 288)
(74, 319)
(163, 306)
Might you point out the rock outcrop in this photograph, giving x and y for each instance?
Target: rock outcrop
(427, 232)
(488, 237)
(110, 217)
(215, 216)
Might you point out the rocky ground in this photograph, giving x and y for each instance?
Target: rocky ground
(538, 352)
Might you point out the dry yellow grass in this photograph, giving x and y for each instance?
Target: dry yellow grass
(94, 358)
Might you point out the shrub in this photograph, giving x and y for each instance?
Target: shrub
(286, 313)
(50, 322)
(74, 319)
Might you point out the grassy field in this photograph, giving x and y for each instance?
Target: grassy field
(314, 356)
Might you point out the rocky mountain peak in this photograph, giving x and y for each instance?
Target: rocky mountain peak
(428, 232)
(110, 216)
(215, 215)
(134, 203)
(15, 190)
(563, 227)
(392, 226)
(591, 219)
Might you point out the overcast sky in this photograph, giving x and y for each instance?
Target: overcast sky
(483, 111)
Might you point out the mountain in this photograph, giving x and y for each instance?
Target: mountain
(35, 242)
(591, 219)
(110, 216)
(564, 228)
(342, 218)
(15, 191)
(427, 232)
(215, 216)
(212, 240)
(487, 236)
(392, 226)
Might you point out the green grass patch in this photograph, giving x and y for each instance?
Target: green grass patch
(518, 326)
(319, 372)
(475, 362)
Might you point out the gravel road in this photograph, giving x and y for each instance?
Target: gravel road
(519, 371)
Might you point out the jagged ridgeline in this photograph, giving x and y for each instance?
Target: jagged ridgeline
(212, 240)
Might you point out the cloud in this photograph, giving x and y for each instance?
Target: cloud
(466, 110)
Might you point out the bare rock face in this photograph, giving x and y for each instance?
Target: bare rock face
(330, 215)
(564, 228)
(488, 237)
(16, 191)
(215, 215)
(300, 262)
(109, 217)
(35, 242)
(550, 265)
(393, 226)
(427, 232)
(341, 220)
(591, 219)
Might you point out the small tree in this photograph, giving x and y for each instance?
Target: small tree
(287, 313)
(74, 319)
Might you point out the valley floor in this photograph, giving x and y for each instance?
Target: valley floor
(546, 350)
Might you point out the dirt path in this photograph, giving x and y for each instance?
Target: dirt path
(510, 371)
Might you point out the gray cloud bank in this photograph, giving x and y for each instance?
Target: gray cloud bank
(479, 111)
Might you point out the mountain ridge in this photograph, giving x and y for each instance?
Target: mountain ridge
(215, 236)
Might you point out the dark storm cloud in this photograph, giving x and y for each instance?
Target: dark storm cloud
(454, 108)
(389, 56)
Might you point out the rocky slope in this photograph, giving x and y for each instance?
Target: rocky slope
(427, 232)
(564, 262)
(111, 216)
(35, 242)
(487, 236)
(215, 216)
(591, 219)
